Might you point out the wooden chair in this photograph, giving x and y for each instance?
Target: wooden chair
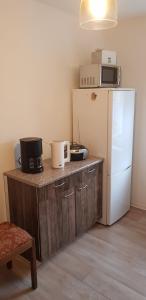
(15, 241)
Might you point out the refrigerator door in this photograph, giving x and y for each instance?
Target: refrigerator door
(90, 112)
(120, 130)
(119, 194)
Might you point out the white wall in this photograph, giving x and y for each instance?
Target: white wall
(40, 52)
(128, 39)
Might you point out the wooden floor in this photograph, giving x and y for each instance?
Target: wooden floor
(107, 263)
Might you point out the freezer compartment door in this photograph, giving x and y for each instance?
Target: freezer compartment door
(120, 130)
(119, 195)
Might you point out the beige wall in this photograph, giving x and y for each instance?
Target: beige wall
(40, 52)
(128, 39)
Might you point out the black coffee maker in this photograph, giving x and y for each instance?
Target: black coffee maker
(31, 155)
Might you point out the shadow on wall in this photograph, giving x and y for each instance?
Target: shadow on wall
(7, 162)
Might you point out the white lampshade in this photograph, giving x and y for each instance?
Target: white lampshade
(98, 14)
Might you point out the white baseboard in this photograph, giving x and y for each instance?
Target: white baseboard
(139, 205)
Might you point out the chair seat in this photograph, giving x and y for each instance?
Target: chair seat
(11, 238)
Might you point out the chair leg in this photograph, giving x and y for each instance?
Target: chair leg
(33, 266)
(9, 265)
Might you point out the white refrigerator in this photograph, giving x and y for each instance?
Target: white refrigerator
(103, 121)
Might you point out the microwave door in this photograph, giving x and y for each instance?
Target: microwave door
(110, 76)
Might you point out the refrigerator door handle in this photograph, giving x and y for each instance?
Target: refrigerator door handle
(128, 168)
(109, 174)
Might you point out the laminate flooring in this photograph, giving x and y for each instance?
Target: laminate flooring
(107, 263)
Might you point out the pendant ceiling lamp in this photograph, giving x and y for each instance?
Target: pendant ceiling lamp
(98, 14)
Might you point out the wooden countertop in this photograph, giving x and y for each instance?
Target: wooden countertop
(50, 175)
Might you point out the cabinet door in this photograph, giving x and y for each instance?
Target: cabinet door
(81, 203)
(88, 198)
(57, 216)
(92, 195)
(68, 217)
(65, 199)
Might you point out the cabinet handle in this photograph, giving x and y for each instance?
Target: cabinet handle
(91, 171)
(80, 188)
(83, 188)
(60, 185)
(69, 195)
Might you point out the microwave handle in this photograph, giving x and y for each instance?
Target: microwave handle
(100, 75)
(119, 76)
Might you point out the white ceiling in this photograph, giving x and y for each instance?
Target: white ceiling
(127, 8)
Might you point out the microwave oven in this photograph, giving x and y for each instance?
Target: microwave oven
(99, 75)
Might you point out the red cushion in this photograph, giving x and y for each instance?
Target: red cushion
(11, 237)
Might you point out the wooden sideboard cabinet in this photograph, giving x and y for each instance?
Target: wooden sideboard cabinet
(56, 205)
